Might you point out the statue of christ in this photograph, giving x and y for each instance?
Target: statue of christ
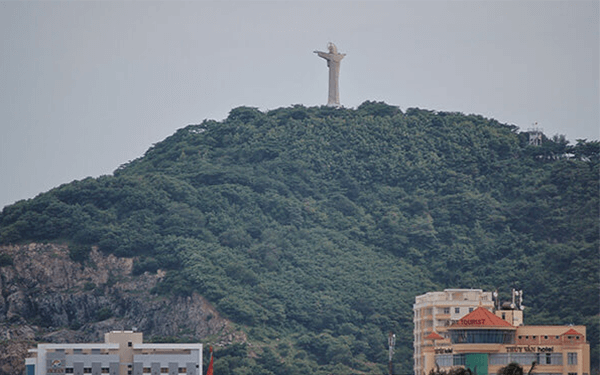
(333, 62)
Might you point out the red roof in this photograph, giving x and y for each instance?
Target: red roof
(572, 332)
(482, 317)
(433, 336)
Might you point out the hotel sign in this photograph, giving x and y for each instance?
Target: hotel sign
(443, 350)
(529, 349)
(471, 322)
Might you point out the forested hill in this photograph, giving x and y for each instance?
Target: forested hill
(315, 228)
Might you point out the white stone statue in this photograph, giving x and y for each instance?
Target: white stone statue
(333, 62)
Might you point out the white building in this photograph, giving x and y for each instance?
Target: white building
(122, 353)
(436, 311)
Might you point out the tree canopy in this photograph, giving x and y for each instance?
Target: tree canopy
(315, 228)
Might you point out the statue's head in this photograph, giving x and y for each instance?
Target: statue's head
(332, 48)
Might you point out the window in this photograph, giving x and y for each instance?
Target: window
(572, 373)
(446, 310)
(534, 337)
(457, 310)
(146, 370)
(69, 370)
(499, 358)
(554, 358)
(504, 316)
(527, 337)
(525, 359)
(458, 360)
(444, 360)
(129, 344)
(545, 337)
(571, 358)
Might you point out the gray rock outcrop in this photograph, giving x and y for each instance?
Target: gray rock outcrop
(47, 297)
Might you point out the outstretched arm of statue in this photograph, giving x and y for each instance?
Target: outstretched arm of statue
(324, 55)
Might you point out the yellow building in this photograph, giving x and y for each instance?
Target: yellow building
(485, 342)
(122, 353)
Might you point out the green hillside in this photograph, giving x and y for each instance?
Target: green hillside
(315, 228)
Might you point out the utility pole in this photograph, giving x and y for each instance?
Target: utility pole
(391, 342)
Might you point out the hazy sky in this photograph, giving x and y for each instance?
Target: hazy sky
(87, 86)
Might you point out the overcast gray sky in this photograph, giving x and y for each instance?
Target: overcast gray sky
(87, 86)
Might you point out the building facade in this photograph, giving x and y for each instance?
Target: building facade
(436, 311)
(485, 341)
(122, 353)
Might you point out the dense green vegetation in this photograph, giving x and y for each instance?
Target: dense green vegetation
(315, 228)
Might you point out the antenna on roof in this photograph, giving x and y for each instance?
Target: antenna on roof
(514, 294)
(495, 299)
(520, 301)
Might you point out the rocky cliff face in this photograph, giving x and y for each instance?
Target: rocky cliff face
(47, 297)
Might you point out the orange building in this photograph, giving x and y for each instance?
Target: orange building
(485, 342)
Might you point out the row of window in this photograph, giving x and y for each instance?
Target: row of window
(87, 370)
(146, 370)
(80, 351)
(482, 336)
(534, 337)
(527, 358)
(446, 310)
(448, 360)
(503, 359)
